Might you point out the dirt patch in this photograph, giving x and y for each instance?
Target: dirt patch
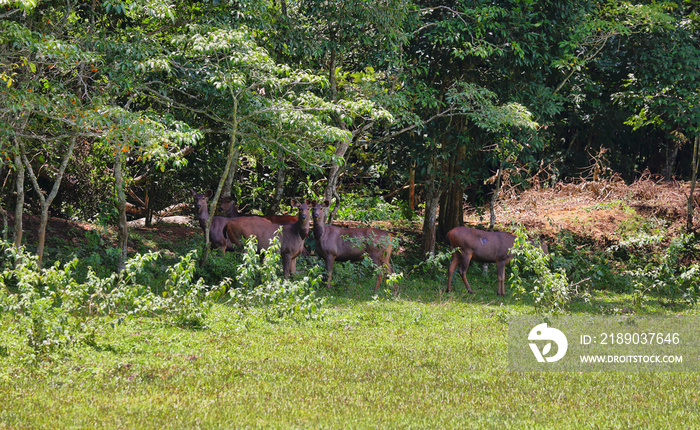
(595, 209)
(170, 232)
(67, 231)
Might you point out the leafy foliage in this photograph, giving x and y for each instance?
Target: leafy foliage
(51, 309)
(531, 275)
(261, 286)
(669, 277)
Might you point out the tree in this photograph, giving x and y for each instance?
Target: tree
(663, 68)
(59, 89)
(40, 110)
(46, 201)
(258, 103)
(530, 55)
(346, 39)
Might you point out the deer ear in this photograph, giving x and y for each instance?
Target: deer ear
(194, 193)
(208, 193)
(313, 202)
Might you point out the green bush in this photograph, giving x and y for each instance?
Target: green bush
(184, 298)
(371, 208)
(51, 309)
(531, 275)
(670, 277)
(261, 286)
(586, 266)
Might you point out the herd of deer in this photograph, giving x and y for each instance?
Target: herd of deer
(344, 244)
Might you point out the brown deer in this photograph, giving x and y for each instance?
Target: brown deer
(350, 244)
(218, 223)
(291, 242)
(230, 210)
(481, 246)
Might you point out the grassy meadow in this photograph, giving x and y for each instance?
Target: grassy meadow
(418, 360)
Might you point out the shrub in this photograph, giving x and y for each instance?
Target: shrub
(531, 275)
(585, 265)
(51, 309)
(371, 208)
(670, 277)
(261, 286)
(184, 299)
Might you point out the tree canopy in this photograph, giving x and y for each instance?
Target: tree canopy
(136, 102)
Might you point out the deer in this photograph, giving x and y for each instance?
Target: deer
(230, 210)
(350, 244)
(218, 223)
(291, 240)
(484, 247)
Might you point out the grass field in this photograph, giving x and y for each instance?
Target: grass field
(421, 360)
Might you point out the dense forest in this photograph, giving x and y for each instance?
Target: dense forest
(116, 109)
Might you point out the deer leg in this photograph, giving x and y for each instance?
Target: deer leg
(236, 242)
(330, 259)
(391, 270)
(501, 277)
(466, 259)
(453, 265)
(383, 264)
(379, 281)
(286, 264)
(293, 266)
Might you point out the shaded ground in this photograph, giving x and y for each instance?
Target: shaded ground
(76, 232)
(594, 210)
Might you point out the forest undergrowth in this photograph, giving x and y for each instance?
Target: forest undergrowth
(605, 237)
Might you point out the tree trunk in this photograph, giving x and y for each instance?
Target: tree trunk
(19, 204)
(279, 185)
(693, 181)
(412, 188)
(147, 204)
(122, 226)
(5, 226)
(333, 176)
(494, 197)
(3, 210)
(671, 157)
(432, 198)
(232, 160)
(46, 201)
(451, 201)
(331, 73)
(228, 184)
(343, 146)
(492, 209)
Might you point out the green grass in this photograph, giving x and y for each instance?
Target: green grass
(422, 360)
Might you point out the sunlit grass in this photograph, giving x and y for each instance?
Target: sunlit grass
(423, 359)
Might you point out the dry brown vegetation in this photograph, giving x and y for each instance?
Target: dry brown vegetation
(594, 208)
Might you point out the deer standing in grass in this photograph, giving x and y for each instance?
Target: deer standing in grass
(291, 240)
(350, 244)
(218, 223)
(481, 246)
